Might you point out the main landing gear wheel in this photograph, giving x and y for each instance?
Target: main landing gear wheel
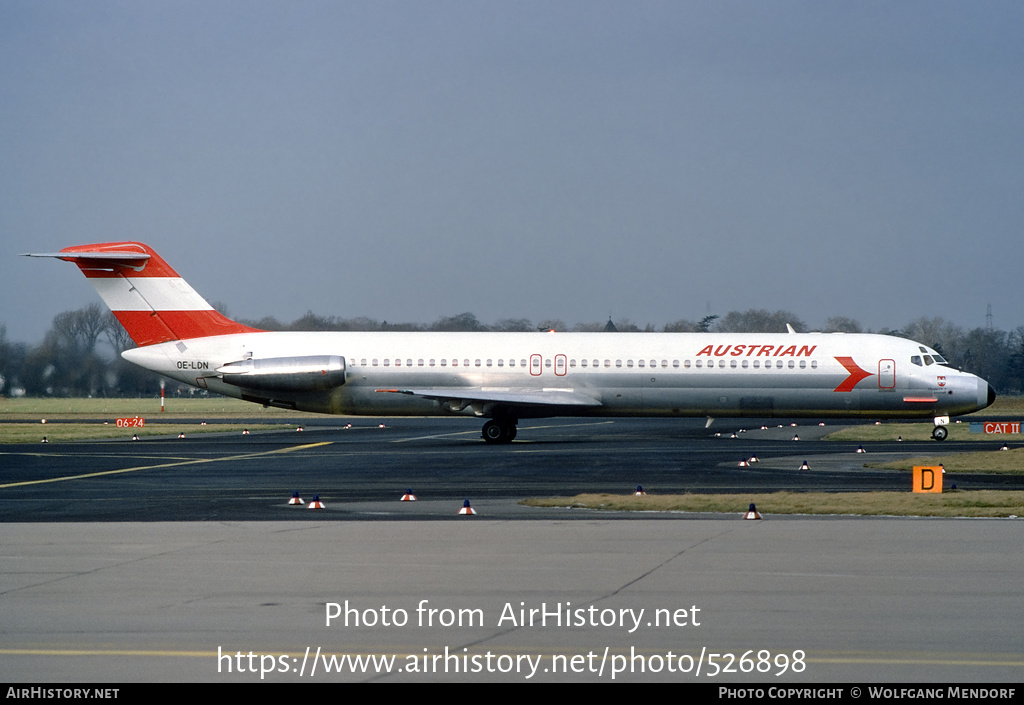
(939, 433)
(499, 431)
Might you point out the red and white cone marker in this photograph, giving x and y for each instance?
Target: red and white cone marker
(135, 436)
(296, 500)
(752, 513)
(44, 440)
(639, 491)
(805, 466)
(245, 432)
(860, 449)
(744, 463)
(299, 428)
(796, 438)
(1005, 447)
(316, 503)
(408, 496)
(752, 459)
(466, 509)
(181, 434)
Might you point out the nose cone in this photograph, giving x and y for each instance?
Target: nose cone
(985, 395)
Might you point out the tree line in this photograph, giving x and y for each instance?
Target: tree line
(80, 354)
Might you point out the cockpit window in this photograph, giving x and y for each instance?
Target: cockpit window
(930, 358)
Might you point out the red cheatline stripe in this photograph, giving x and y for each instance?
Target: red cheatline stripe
(926, 400)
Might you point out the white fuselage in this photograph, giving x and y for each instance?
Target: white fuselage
(601, 374)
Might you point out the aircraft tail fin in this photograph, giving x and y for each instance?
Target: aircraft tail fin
(150, 299)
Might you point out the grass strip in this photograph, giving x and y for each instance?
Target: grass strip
(1005, 462)
(973, 503)
(67, 432)
(216, 407)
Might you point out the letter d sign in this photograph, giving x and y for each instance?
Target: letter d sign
(928, 478)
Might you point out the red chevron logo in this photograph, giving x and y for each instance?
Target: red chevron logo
(856, 374)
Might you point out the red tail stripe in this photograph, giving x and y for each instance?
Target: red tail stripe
(147, 328)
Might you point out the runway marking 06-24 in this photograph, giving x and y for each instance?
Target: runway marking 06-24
(158, 466)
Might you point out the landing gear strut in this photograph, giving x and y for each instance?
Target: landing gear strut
(499, 431)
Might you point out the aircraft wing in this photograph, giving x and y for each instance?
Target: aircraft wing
(463, 396)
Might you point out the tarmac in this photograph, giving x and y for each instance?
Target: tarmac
(242, 588)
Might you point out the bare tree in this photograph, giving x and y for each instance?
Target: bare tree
(759, 320)
(842, 324)
(944, 337)
(683, 325)
(117, 337)
(514, 325)
(82, 328)
(463, 322)
(593, 326)
(1016, 362)
(310, 321)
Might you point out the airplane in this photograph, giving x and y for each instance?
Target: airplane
(506, 377)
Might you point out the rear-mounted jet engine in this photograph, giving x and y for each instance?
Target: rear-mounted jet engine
(310, 373)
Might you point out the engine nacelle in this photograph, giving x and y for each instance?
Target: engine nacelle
(309, 373)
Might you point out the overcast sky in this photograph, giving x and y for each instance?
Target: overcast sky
(555, 159)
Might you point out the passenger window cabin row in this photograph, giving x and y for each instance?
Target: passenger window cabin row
(559, 364)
